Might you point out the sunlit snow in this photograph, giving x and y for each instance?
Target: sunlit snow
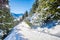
(23, 32)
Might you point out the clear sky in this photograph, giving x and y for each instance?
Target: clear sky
(20, 6)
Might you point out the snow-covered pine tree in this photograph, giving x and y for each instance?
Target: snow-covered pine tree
(45, 10)
(50, 9)
(6, 20)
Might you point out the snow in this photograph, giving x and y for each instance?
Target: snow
(23, 32)
(1, 23)
(8, 23)
(1, 33)
(18, 18)
(56, 30)
(0, 16)
(5, 23)
(7, 6)
(58, 7)
(34, 20)
(45, 8)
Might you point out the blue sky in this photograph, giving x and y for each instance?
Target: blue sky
(20, 6)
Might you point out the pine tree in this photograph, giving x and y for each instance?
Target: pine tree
(49, 8)
(23, 17)
(6, 20)
(45, 11)
(34, 8)
(26, 14)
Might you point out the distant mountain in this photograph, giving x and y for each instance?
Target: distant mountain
(17, 15)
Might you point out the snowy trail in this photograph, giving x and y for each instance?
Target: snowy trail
(23, 32)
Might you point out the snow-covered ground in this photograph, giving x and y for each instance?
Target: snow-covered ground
(52, 31)
(23, 32)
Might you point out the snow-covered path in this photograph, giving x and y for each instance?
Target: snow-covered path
(23, 32)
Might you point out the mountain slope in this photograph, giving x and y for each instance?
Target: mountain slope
(23, 32)
(16, 15)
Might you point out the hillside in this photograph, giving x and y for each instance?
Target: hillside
(23, 32)
(43, 12)
(42, 23)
